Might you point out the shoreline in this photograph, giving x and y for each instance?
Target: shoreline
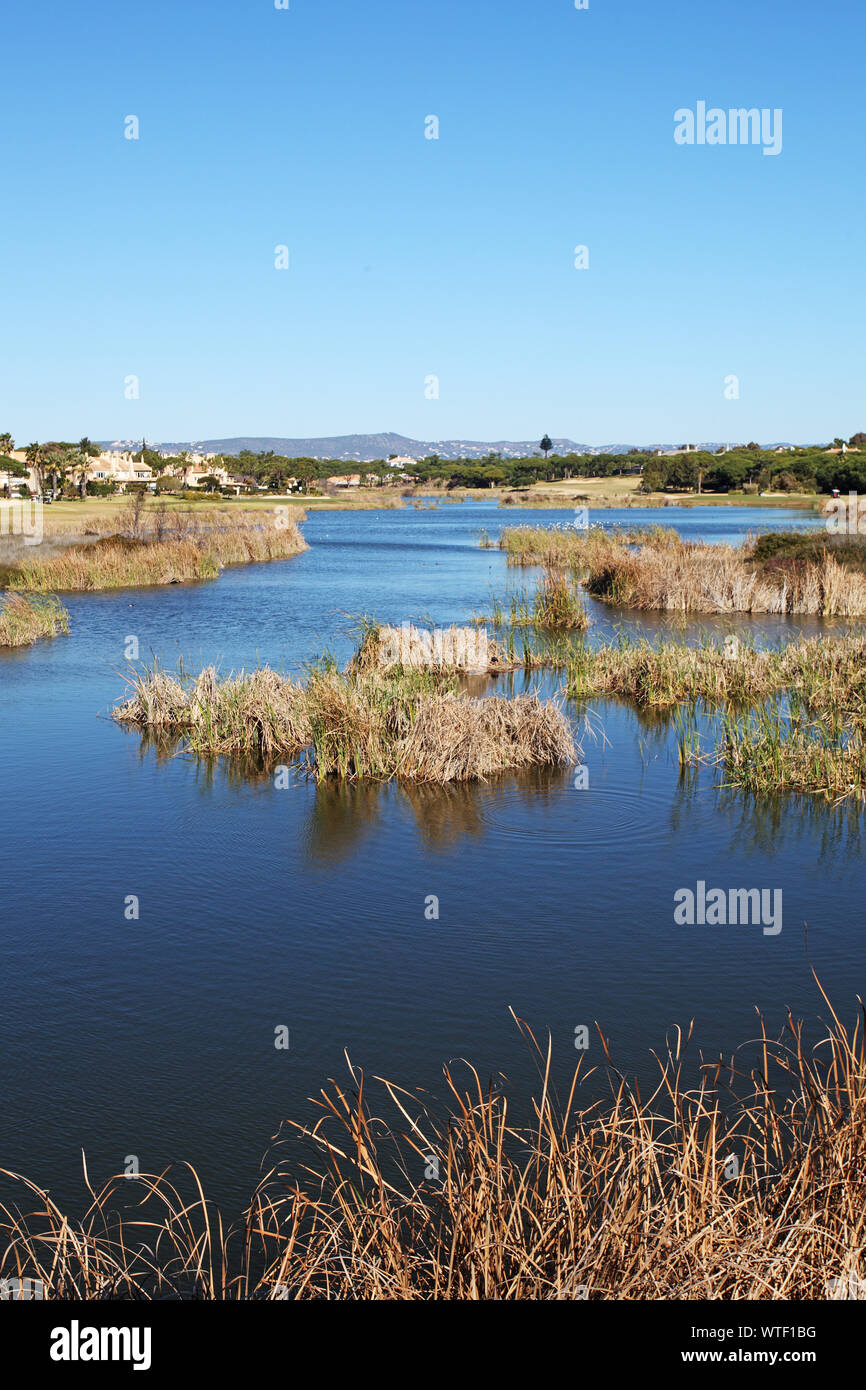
(62, 516)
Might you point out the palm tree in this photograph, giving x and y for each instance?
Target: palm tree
(86, 450)
(35, 456)
(59, 462)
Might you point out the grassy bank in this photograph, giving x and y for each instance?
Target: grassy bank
(24, 621)
(656, 569)
(821, 673)
(159, 548)
(746, 1185)
(403, 723)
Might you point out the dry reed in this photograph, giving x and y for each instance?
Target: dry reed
(182, 553)
(746, 1184)
(408, 724)
(656, 569)
(385, 648)
(824, 673)
(24, 621)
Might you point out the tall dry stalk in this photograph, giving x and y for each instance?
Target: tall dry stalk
(745, 1185)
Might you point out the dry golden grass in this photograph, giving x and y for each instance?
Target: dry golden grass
(457, 740)
(24, 621)
(655, 569)
(823, 673)
(111, 516)
(161, 549)
(552, 546)
(719, 579)
(745, 1185)
(256, 714)
(408, 724)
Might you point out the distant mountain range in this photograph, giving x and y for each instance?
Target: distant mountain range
(361, 448)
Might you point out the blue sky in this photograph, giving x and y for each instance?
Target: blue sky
(412, 258)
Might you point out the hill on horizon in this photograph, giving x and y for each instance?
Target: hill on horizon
(363, 448)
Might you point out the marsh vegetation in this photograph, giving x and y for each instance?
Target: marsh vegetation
(653, 568)
(139, 547)
(411, 724)
(745, 1185)
(27, 620)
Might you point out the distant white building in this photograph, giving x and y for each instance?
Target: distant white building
(118, 468)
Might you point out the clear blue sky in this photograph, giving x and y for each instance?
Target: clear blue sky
(413, 257)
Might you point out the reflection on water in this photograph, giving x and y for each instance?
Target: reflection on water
(832, 835)
(342, 817)
(446, 815)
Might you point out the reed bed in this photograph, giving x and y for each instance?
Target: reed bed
(193, 552)
(553, 546)
(380, 720)
(467, 651)
(792, 718)
(823, 673)
(359, 721)
(148, 517)
(669, 673)
(656, 569)
(408, 724)
(256, 714)
(459, 740)
(24, 620)
(561, 500)
(745, 1184)
(556, 605)
(780, 748)
(720, 579)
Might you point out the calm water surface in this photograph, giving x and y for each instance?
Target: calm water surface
(305, 906)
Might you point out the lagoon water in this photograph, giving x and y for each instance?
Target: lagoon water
(305, 906)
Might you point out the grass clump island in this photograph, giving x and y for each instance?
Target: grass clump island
(373, 720)
(794, 719)
(653, 568)
(783, 719)
(24, 621)
(744, 1184)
